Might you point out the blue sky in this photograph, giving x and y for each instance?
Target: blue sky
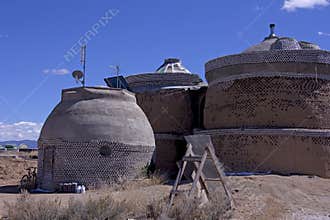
(37, 37)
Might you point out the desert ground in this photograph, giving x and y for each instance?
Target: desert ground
(256, 197)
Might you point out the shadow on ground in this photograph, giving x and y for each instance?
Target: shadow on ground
(9, 189)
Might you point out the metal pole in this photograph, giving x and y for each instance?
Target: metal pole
(83, 61)
(117, 68)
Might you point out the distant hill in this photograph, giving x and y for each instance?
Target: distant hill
(29, 143)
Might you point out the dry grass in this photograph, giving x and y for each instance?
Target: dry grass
(126, 185)
(103, 207)
(186, 208)
(104, 204)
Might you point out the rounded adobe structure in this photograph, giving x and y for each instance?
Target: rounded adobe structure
(278, 83)
(267, 109)
(297, 61)
(94, 134)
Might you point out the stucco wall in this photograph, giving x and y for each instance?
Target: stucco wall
(286, 152)
(168, 110)
(169, 149)
(290, 100)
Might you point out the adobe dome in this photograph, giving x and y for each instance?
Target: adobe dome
(94, 134)
(309, 46)
(285, 43)
(273, 42)
(99, 111)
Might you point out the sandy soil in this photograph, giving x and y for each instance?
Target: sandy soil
(256, 197)
(281, 197)
(12, 169)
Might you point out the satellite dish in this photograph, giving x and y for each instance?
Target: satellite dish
(78, 75)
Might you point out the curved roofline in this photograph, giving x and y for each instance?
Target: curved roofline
(98, 88)
(320, 56)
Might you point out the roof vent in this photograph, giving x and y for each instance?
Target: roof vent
(172, 65)
(272, 32)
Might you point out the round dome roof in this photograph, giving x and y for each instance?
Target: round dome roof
(273, 42)
(285, 43)
(95, 113)
(172, 65)
(309, 46)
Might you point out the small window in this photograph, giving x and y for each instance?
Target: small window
(105, 151)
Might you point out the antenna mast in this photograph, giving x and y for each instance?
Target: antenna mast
(117, 69)
(117, 72)
(83, 62)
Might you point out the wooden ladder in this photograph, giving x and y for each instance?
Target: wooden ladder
(198, 161)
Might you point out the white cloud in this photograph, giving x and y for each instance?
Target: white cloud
(292, 5)
(23, 130)
(56, 71)
(323, 34)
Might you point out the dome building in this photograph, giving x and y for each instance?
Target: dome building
(94, 135)
(268, 109)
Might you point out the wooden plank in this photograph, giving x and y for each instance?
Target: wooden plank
(220, 173)
(212, 179)
(182, 167)
(203, 145)
(198, 174)
(192, 158)
(202, 182)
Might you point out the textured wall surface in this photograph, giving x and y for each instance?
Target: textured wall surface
(169, 149)
(156, 81)
(174, 107)
(268, 91)
(298, 68)
(94, 134)
(266, 58)
(90, 163)
(287, 152)
(168, 110)
(269, 101)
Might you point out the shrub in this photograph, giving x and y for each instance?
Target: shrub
(27, 208)
(185, 208)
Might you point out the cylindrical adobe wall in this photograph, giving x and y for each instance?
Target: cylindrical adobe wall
(293, 67)
(94, 135)
(267, 100)
(285, 151)
(168, 110)
(298, 61)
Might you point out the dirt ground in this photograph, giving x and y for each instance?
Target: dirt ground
(13, 166)
(256, 197)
